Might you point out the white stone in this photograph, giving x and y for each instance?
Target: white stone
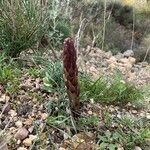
(137, 148)
(132, 60)
(112, 60)
(18, 142)
(90, 112)
(128, 53)
(31, 129)
(12, 113)
(108, 54)
(18, 124)
(148, 116)
(32, 137)
(124, 60)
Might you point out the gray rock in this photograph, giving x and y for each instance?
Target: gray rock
(144, 64)
(108, 54)
(21, 134)
(128, 53)
(119, 56)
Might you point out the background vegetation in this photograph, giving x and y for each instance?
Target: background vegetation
(31, 72)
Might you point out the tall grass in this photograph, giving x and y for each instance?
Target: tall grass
(22, 24)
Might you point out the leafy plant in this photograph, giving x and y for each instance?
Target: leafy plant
(34, 72)
(59, 27)
(86, 122)
(107, 119)
(53, 76)
(12, 87)
(9, 78)
(106, 141)
(128, 133)
(7, 73)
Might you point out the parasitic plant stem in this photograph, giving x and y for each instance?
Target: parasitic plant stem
(71, 73)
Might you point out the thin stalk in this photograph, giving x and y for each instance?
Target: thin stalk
(104, 26)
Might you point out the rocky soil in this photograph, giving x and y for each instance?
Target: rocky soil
(23, 116)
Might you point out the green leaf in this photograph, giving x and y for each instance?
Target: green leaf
(103, 145)
(112, 146)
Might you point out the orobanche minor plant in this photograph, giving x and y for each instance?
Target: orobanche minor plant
(71, 73)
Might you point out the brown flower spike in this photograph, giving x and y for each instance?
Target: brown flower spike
(71, 73)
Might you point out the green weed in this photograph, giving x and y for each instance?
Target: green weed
(9, 76)
(109, 90)
(128, 133)
(87, 122)
(34, 72)
(53, 76)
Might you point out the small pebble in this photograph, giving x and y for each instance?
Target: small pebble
(44, 116)
(21, 134)
(134, 111)
(27, 142)
(4, 98)
(18, 142)
(90, 112)
(18, 124)
(32, 137)
(148, 116)
(28, 121)
(31, 129)
(12, 113)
